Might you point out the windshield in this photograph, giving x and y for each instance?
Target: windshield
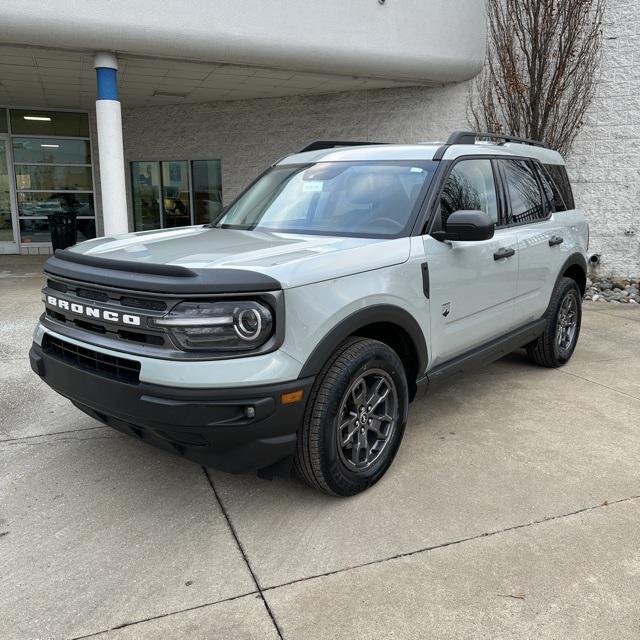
(370, 199)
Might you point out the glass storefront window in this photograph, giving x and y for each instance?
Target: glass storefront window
(207, 190)
(163, 193)
(176, 196)
(52, 170)
(37, 230)
(53, 177)
(3, 120)
(34, 230)
(145, 186)
(49, 123)
(51, 151)
(6, 223)
(45, 202)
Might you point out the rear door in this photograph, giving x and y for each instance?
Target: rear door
(540, 236)
(472, 288)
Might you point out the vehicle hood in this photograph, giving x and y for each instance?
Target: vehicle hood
(292, 259)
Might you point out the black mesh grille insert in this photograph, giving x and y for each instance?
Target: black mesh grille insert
(147, 338)
(58, 316)
(91, 294)
(90, 360)
(58, 286)
(138, 303)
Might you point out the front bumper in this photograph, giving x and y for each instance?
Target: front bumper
(208, 426)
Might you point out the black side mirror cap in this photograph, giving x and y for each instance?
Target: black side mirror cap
(467, 225)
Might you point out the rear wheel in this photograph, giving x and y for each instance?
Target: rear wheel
(558, 342)
(355, 419)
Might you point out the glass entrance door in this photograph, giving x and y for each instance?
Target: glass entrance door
(8, 231)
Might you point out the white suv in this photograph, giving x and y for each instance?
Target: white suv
(300, 324)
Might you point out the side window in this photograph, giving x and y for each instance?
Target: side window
(469, 186)
(552, 195)
(563, 196)
(523, 192)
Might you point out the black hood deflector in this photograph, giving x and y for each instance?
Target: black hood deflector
(156, 278)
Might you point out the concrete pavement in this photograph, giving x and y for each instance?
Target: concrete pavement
(512, 510)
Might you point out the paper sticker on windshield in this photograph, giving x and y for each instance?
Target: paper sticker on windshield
(312, 185)
(417, 170)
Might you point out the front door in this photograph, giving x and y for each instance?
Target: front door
(472, 288)
(8, 226)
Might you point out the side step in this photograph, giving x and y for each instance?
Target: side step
(485, 354)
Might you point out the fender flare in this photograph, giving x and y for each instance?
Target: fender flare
(348, 326)
(575, 259)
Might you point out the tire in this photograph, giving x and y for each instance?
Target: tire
(357, 368)
(550, 350)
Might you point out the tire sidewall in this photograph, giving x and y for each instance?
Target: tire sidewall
(341, 479)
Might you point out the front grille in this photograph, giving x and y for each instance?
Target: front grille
(132, 336)
(119, 301)
(114, 367)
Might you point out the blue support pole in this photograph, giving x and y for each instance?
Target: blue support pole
(107, 83)
(110, 145)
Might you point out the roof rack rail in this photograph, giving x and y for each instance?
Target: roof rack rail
(330, 144)
(470, 137)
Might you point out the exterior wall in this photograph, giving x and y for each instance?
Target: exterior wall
(605, 161)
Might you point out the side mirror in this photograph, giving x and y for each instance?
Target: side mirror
(467, 225)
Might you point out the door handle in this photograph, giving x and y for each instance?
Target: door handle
(554, 240)
(504, 252)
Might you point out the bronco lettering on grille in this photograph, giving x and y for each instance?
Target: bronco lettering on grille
(94, 312)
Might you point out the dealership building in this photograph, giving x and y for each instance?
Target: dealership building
(148, 115)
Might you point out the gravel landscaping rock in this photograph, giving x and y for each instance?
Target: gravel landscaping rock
(615, 290)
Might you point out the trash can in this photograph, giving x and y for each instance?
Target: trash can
(63, 228)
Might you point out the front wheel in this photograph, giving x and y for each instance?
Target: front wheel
(558, 342)
(355, 419)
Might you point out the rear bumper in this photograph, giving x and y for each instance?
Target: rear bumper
(208, 426)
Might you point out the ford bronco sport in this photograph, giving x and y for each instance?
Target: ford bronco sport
(300, 324)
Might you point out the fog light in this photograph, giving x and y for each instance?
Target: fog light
(250, 412)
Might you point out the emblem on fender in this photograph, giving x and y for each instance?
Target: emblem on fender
(93, 312)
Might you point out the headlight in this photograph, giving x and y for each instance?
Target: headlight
(219, 326)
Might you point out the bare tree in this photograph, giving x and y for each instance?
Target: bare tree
(540, 73)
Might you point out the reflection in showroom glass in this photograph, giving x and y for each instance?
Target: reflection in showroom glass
(53, 177)
(51, 151)
(45, 203)
(37, 230)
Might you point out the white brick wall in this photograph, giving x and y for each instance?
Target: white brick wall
(605, 160)
(250, 135)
